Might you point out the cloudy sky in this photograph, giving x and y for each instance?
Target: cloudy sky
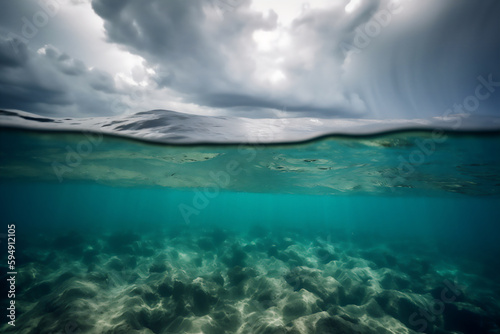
(325, 58)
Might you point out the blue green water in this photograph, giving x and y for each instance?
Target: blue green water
(122, 236)
(77, 206)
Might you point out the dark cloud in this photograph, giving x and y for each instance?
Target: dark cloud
(51, 82)
(419, 58)
(211, 58)
(422, 67)
(13, 52)
(102, 81)
(381, 59)
(191, 46)
(65, 63)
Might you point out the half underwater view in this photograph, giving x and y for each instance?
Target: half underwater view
(250, 167)
(389, 233)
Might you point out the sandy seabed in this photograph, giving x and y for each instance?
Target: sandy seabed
(214, 281)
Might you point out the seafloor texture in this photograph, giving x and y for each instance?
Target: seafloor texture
(269, 281)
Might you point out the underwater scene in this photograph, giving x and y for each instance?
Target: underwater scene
(388, 232)
(250, 167)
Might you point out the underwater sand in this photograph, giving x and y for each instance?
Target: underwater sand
(212, 280)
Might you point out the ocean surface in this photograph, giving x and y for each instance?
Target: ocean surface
(168, 223)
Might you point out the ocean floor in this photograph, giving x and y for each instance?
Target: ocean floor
(210, 280)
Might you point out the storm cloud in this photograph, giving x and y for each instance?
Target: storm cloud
(51, 82)
(360, 58)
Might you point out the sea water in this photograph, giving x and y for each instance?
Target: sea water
(388, 233)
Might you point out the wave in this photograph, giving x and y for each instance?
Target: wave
(170, 127)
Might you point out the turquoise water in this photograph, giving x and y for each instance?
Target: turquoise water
(80, 206)
(337, 235)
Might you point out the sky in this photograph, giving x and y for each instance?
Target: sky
(370, 59)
